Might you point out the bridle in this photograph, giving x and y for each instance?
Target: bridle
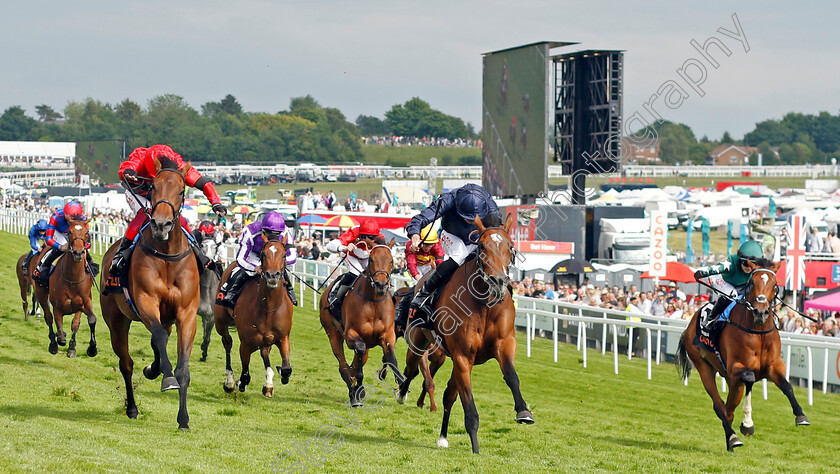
(370, 275)
(762, 298)
(496, 286)
(262, 256)
(175, 212)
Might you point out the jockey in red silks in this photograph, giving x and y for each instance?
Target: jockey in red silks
(355, 259)
(137, 173)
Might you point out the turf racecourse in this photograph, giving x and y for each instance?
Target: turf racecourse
(65, 415)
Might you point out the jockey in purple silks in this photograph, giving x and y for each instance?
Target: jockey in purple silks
(271, 228)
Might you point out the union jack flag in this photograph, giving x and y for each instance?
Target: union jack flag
(795, 265)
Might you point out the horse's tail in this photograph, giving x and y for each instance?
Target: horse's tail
(681, 359)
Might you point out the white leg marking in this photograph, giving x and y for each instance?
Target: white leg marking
(748, 421)
(442, 442)
(269, 376)
(229, 383)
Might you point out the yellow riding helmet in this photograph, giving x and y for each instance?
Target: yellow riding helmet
(428, 235)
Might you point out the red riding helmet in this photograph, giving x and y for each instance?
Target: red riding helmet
(73, 210)
(206, 228)
(369, 227)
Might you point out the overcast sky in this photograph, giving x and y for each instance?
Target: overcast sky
(364, 56)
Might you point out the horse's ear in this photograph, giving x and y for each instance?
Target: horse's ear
(185, 168)
(479, 225)
(776, 266)
(158, 165)
(392, 242)
(752, 265)
(285, 239)
(508, 223)
(263, 237)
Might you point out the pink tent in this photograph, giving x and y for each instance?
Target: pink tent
(828, 302)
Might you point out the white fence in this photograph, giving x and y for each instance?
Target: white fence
(584, 325)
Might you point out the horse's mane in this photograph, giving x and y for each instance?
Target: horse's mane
(167, 163)
(379, 240)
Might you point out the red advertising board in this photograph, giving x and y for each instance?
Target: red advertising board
(545, 246)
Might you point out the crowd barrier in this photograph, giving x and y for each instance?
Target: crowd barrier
(587, 327)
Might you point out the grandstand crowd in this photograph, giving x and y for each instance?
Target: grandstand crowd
(421, 141)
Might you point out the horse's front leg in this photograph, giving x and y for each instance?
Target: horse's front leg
(245, 357)
(74, 327)
(462, 373)
(776, 375)
(207, 322)
(268, 388)
(360, 350)
(48, 319)
(186, 325)
(285, 351)
(506, 355)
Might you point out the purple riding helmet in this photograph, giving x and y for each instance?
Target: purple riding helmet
(273, 225)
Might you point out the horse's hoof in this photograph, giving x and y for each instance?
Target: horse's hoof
(420, 404)
(747, 431)
(92, 351)
(184, 428)
(382, 373)
(442, 442)
(433, 408)
(169, 383)
(228, 388)
(268, 391)
(734, 442)
(525, 416)
(62, 342)
(203, 358)
(802, 420)
(402, 397)
(62, 338)
(53, 348)
(131, 412)
(284, 374)
(241, 386)
(147, 372)
(71, 353)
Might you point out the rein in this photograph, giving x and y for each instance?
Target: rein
(497, 291)
(169, 257)
(84, 259)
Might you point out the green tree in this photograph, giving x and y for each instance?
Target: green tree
(371, 126)
(47, 114)
(726, 138)
(15, 125)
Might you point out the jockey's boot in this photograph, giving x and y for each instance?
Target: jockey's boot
(433, 280)
(25, 264)
(42, 272)
(93, 266)
(290, 288)
(340, 289)
(203, 260)
(717, 310)
(120, 261)
(233, 286)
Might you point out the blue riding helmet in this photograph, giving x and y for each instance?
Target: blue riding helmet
(41, 225)
(471, 202)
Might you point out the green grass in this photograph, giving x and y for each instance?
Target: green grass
(59, 414)
(415, 155)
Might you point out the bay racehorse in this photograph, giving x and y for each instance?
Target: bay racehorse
(750, 349)
(473, 320)
(367, 320)
(263, 317)
(163, 284)
(208, 286)
(69, 291)
(26, 285)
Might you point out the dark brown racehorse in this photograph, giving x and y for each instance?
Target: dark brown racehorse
(367, 314)
(69, 291)
(163, 282)
(751, 350)
(26, 285)
(263, 317)
(473, 321)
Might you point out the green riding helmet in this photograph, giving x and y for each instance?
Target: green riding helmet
(750, 251)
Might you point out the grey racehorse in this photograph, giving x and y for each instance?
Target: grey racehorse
(208, 287)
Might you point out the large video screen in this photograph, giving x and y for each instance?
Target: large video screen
(100, 159)
(515, 121)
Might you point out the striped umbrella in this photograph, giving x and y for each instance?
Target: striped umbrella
(341, 221)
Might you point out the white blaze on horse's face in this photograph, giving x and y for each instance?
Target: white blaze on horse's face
(765, 278)
(273, 250)
(78, 227)
(496, 238)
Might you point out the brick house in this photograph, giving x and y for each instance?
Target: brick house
(646, 152)
(728, 154)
